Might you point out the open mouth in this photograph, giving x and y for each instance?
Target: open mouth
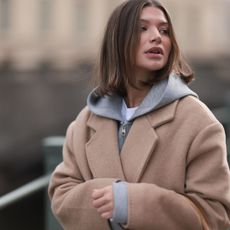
(155, 50)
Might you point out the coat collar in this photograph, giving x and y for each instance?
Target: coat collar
(103, 152)
(163, 115)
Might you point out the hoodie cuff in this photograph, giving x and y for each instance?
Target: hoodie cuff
(120, 212)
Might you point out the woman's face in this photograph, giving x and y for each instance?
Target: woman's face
(155, 44)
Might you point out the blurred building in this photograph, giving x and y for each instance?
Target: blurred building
(202, 27)
(50, 32)
(61, 33)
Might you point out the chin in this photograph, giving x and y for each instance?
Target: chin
(156, 68)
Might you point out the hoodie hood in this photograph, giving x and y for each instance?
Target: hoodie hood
(161, 94)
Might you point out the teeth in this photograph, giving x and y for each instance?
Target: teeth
(155, 52)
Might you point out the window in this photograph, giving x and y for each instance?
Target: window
(45, 16)
(81, 20)
(4, 15)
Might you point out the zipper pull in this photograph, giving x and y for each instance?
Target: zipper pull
(123, 130)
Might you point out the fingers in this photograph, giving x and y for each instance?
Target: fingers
(100, 203)
(103, 201)
(107, 215)
(97, 193)
(105, 208)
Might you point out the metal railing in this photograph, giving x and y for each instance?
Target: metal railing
(24, 191)
(223, 115)
(52, 147)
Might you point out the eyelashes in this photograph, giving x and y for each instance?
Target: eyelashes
(143, 28)
(163, 30)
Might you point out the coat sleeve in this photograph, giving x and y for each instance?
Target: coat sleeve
(207, 185)
(70, 192)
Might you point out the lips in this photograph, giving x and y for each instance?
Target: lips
(155, 50)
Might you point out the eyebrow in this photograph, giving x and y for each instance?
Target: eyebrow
(161, 22)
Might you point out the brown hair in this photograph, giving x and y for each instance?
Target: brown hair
(119, 45)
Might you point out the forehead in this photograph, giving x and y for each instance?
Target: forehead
(153, 14)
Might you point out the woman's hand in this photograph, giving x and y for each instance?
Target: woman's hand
(103, 201)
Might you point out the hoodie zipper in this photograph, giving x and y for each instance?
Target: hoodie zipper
(123, 130)
(122, 134)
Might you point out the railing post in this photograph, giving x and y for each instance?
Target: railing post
(227, 103)
(52, 157)
(223, 115)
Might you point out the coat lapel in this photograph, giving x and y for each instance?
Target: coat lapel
(137, 149)
(102, 149)
(142, 141)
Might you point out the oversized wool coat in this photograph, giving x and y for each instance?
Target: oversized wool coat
(171, 154)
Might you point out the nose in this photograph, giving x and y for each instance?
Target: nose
(155, 36)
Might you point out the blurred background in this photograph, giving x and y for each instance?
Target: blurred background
(48, 49)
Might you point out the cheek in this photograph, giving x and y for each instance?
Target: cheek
(139, 50)
(142, 41)
(141, 46)
(168, 46)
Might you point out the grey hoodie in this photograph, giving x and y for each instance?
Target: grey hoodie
(161, 94)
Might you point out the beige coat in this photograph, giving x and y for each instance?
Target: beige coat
(175, 152)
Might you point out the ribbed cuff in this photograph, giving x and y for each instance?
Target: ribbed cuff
(120, 212)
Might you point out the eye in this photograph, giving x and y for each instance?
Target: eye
(164, 31)
(143, 28)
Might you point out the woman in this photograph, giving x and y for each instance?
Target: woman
(145, 153)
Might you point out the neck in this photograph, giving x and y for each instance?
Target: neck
(135, 96)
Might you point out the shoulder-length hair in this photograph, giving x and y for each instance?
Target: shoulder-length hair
(119, 47)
